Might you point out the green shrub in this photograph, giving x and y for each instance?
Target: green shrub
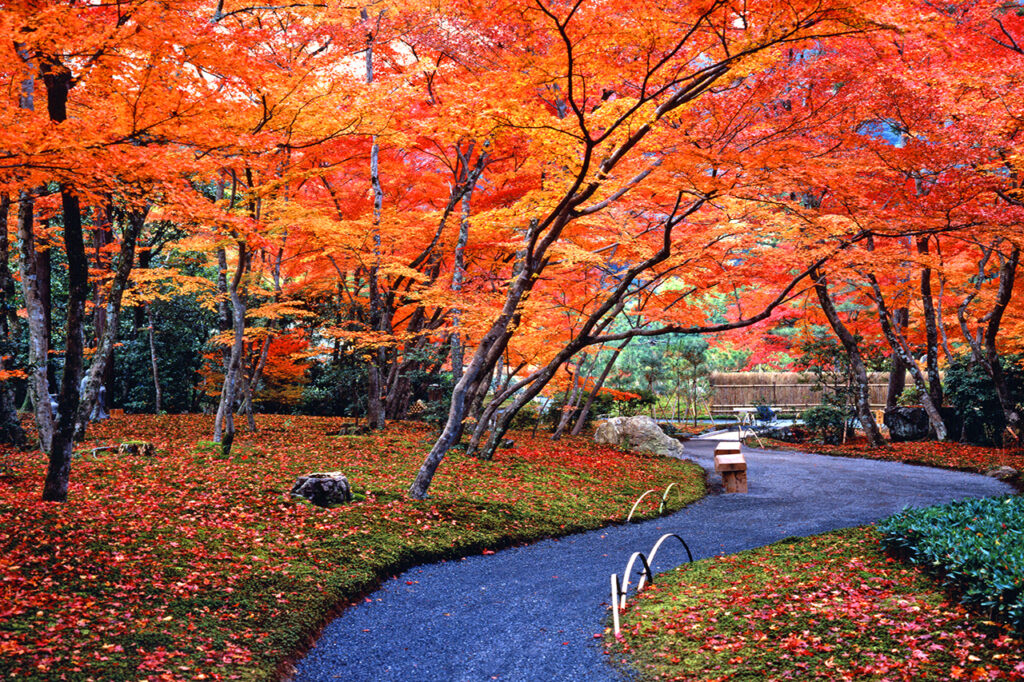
(975, 546)
(825, 422)
(911, 396)
(969, 390)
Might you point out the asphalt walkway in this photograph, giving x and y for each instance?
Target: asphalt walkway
(535, 612)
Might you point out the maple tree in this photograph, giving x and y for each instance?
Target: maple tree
(422, 191)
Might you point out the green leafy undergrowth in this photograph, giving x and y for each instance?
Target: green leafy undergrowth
(829, 607)
(976, 547)
(189, 565)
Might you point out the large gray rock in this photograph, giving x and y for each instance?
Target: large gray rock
(1003, 473)
(911, 423)
(323, 488)
(637, 433)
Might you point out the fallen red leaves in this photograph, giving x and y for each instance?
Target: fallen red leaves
(189, 566)
(830, 607)
(930, 453)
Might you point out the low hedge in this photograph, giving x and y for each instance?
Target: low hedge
(975, 546)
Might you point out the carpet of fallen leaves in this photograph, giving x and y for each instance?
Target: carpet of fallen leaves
(187, 565)
(829, 607)
(931, 453)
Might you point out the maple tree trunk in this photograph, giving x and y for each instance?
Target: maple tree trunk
(862, 397)
(458, 275)
(497, 335)
(58, 81)
(984, 350)
(105, 352)
(900, 348)
(572, 400)
(931, 328)
(1007, 275)
(158, 394)
(898, 373)
(38, 347)
(581, 420)
(224, 423)
(10, 428)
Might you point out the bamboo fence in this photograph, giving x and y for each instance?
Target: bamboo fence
(785, 391)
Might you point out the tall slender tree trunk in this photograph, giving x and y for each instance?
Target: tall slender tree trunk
(931, 328)
(10, 428)
(38, 347)
(458, 275)
(581, 420)
(58, 81)
(375, 416)
(154, 368)
(224, 423)
(862, 394)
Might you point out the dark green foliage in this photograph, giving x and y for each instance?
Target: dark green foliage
(182, 327)
(975, 546)
(970, 391)
(335, 389)
(438, 399)
(826, 422)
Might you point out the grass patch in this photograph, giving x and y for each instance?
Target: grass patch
(832, 606)
(194, 566)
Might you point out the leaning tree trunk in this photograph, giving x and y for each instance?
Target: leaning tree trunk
(983, 344)
(581, 420)
(900, 348)
(862, 397)
(572, 399)
(105, 351)
(487, 352)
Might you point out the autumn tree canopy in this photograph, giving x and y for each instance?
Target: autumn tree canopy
(418, 193)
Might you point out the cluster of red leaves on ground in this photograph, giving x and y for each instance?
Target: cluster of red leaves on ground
(828, 607)
(187, 565)
(931, 453)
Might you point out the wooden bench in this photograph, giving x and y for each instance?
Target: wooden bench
(729, 462)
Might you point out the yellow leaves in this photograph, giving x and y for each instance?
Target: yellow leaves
(277, 311)
(147, 285)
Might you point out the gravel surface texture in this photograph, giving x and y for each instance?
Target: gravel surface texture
(536, 612)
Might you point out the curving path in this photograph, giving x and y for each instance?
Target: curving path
(532, 613)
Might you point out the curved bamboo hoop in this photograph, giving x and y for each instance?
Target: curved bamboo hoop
(615, 602)
(654, 552)
(664, 498)
(630, 516)
(625, 575)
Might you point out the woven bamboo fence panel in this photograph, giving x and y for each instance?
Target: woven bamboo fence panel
(781, 390)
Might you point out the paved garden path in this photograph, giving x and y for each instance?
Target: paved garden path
(532, 613)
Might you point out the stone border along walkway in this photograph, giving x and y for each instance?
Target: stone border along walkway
(534, 612)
